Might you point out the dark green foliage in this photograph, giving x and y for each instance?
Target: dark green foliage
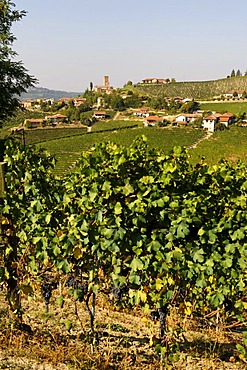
(132, 101)
(14, 78)
(116, 102)
(165, 229)
(164, 232)
(27, 212)
(189, 107)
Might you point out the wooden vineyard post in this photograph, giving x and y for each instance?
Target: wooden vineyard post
(2, 180)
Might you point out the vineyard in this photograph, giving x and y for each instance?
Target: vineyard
(68, 148)
(229, 145)
(196, 90)
(221, 107)
(131, 232)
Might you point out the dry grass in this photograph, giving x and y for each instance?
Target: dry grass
(52, 346)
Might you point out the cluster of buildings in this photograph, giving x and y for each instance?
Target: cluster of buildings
(239, 94)
(208, 122)
(156, 80)
(37, 103)
(51, 120)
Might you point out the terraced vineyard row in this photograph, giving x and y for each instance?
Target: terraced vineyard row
(196, 90)
(68, 149)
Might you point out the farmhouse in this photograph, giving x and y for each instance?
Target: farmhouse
(184, 118)
(152, 120)
(142, 112)
(155, 80)
(100, 115)
(79, 101)
(57, 118)
(210, 121)
(235, 93)
(227, 118)
(64, 101)
(27, 104)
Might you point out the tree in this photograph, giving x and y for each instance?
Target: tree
(238, 73)
(189, 107)
(91, 86)
(117, 102)
(244, 95)
(14, 78)
(233, 74)
(133, 101)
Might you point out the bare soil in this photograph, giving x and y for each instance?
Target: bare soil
(60, 339)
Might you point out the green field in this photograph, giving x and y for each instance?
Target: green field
(229, 144)
(68, 149)
(68, 143)
(221, 107)
(35, 136)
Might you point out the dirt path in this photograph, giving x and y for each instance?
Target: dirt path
(206, 137)
(116, 116)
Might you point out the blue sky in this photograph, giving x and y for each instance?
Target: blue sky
(68, 43)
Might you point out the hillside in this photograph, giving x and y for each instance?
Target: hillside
(196, 89)
(41, 92)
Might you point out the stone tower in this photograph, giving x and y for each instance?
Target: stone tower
(106, 81)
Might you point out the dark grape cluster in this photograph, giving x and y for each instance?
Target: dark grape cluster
(118, 292)
(70, 281)
(83, 287)
(80, 286)
(47, 287)
(160, 314)
(163, 311)
(154, 315)
(228, 305)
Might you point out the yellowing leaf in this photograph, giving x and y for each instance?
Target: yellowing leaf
(77, 253)
(159, 284)
(4, 221)
(143, 296)
(170, 281)
(187, 311)
(145, 319)
(210, 279)
(242, 357)
(188, 308)
(245, 305)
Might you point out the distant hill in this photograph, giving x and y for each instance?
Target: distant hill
(41, 92)
(196, 90)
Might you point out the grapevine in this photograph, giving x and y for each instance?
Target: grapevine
(47, 287)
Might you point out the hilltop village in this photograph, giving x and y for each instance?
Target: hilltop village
(105, 102)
